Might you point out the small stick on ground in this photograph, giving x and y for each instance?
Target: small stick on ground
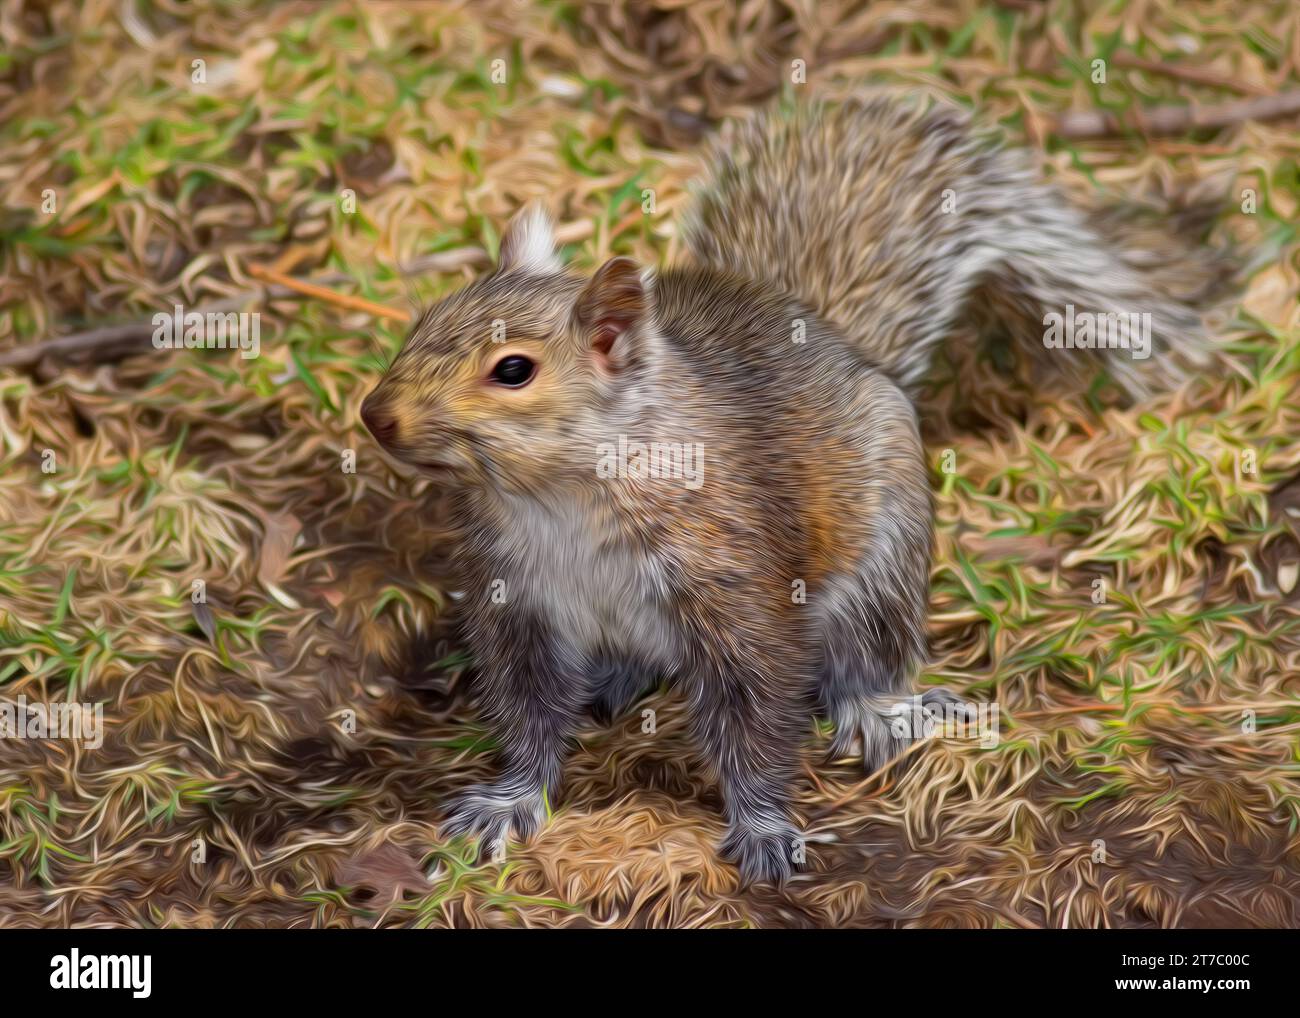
(111, 342)
(1166, 120)
(1184, 72)
(342, 300)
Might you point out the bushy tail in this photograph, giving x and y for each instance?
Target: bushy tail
(892, 220)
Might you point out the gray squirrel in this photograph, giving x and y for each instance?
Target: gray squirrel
(788, 575)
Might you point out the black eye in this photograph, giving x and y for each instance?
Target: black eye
(513, 371)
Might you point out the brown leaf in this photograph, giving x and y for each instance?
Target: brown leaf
(1271, 296)
(277, 545)
(386, 872)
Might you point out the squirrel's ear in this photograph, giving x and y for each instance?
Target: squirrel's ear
(529, 242)
(611, 303)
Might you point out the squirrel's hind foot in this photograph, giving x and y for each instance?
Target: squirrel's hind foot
(879, 729)
(862, 730)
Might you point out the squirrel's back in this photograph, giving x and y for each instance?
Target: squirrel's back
(887, 217)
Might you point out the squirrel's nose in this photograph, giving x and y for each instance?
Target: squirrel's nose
(380, 421)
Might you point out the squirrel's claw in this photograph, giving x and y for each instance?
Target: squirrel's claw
(864, 727)
(764, 851)
(860, 730)
(492, 814)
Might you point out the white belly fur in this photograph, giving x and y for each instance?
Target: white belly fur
(590, 587)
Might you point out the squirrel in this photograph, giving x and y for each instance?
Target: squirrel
(713, 473)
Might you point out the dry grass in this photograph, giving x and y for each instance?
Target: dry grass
(1121, 721)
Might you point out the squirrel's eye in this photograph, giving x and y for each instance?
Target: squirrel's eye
(513, 371)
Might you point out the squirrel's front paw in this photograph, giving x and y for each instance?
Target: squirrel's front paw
(764, 848)
(493, 814)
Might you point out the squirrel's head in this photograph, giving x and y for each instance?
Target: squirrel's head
(515, 380)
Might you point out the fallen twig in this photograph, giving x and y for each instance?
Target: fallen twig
(1164, 120)
(1185, 72)
(343, 300)
(1214, 708)
(110, 342)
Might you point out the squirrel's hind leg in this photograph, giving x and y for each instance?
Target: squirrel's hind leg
(872, 641)
(871, 605)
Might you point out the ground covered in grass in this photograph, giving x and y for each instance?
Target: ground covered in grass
(282, 755)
